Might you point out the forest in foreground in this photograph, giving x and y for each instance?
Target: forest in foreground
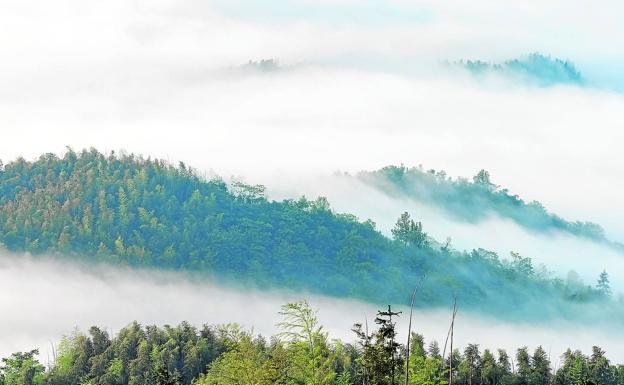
(301, 353)
(127, 210)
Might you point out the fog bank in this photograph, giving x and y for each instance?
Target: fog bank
(42, 299)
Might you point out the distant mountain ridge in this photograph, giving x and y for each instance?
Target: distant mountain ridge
(475, 200)
(535, 68)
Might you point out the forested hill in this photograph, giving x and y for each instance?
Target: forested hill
(476, 200)
(124, 209)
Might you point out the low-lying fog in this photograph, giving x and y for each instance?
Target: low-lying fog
(42, 299)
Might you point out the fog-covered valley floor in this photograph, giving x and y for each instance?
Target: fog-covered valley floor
(43, 299)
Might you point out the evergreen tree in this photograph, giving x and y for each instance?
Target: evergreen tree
(603, 285)
(540, 368)
(472, 359)
(524, 370)
(409, 232)
(380, 360)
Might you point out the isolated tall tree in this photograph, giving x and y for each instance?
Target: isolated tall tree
(483, 179)
(603, 285)
(409, 232)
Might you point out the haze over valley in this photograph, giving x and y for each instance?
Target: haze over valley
(180, 177)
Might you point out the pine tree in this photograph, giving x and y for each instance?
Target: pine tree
(603, 285)
(540, 367)
(409, 232)
(380, 359)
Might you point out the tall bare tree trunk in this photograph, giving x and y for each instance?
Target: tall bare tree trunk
(451, 352)
(409, 330)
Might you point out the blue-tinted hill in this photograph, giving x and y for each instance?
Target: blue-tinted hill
(475, 200)
(535, 69)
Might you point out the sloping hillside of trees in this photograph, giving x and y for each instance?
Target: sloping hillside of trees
(124, 209)
(476, 199)
(301, 354)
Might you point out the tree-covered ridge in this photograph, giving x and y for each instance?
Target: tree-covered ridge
(301, 354)
(124, 209)
(475, 200)
(534, 68)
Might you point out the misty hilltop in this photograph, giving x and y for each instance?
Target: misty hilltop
(129, 210)
(477, 199)
(536, 68)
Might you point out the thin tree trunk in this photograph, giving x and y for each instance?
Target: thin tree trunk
(409, 337)
(451, 353)
(409, 329)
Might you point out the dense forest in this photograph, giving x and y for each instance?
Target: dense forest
(477, 199)
(124, 209)
(301, 353)
(535, 69)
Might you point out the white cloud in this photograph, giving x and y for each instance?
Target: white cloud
(557, 145)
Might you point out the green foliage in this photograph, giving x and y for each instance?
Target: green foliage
(380, 361)
(425, 369)
(136, 356)
(21, 368)
(305, 356)
(409, 232)
(245, 363)
(123, 209)
(475, 201)
(309, 352)
(300, 355)
(300, 324)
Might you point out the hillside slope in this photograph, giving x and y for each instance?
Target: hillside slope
(124, 209)
(476, 200)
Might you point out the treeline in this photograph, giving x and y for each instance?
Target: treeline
(535, 69)
(301, 353)
(476, 200)
(124, 209)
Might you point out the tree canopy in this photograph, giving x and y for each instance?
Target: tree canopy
(128, 210)
(301, 354)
